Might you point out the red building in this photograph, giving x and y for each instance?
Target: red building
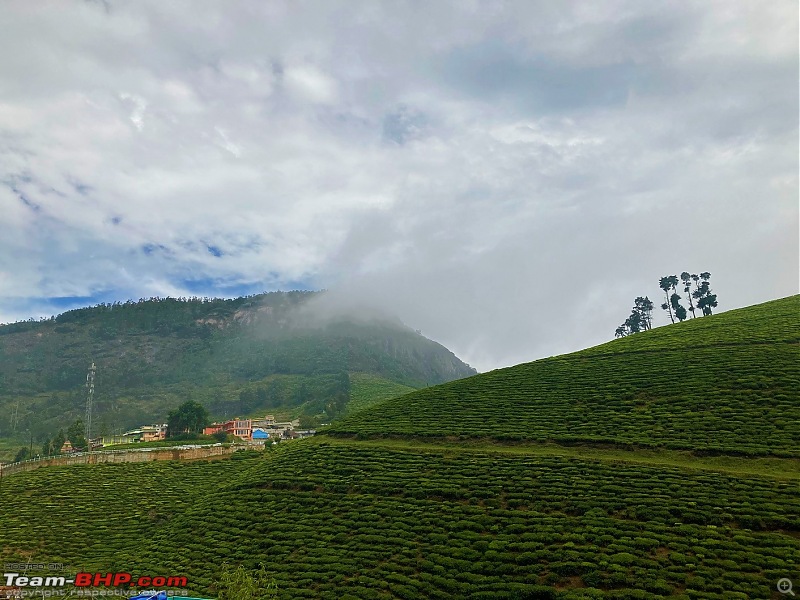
(242, 428)
(212, 429)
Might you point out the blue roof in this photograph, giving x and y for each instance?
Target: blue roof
(260, 435)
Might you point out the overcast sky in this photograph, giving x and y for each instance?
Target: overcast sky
(504, 176)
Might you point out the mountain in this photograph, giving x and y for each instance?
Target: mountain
(727, 383)
(650, 467)
(271, 352)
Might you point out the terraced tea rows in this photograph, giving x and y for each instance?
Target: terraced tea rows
(648, 390)
(96, 515)
(340, 516)
(344, 520)
(341, 521)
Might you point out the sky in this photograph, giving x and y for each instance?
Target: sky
(504, 176)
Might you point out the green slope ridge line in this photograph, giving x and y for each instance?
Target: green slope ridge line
(692, 386)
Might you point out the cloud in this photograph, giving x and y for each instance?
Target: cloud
(505, 176)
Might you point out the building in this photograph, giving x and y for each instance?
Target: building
(212, 429)
(242, 428)
(246, 428)
(267, 421)
(110, 440)
(154, 433)
(146, 433)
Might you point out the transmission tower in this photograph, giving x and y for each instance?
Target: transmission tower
(89, 397)
(15, 418)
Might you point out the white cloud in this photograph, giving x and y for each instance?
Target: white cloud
(307, 82)
(505, 176)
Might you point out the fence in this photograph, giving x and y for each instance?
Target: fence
(122, 456)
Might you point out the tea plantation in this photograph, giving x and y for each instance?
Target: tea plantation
(728, 383)
(529, 482)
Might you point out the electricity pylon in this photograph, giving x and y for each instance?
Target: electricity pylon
(89, 397)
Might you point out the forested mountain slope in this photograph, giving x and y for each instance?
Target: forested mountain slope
(238, 356)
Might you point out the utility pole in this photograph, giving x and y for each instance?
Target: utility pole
(89, 397)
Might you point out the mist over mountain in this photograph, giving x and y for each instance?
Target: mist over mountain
(285, 352)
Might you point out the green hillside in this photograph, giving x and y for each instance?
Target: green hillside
(729, 383)
(401, 500)
(367, 390)
(242, 356)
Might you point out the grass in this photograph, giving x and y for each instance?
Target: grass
(660, 466)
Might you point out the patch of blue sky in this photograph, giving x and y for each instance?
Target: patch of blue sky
(81, 188)
(276, 282)
(218, 288)
(149, 249)
(27, 201)
(67, 302)
(36, 307)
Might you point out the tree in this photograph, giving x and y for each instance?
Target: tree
(705, 299)
(633, 323)
(76, 437)
(22, 454)
(639, 320)
(240, 584)
(308, 421)
(248, 399)
(189, 417)
(58, 441)
(677, 307)
(643, 306)
(686, 278)
(668, 283)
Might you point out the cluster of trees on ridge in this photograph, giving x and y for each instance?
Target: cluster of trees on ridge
(701, 298)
